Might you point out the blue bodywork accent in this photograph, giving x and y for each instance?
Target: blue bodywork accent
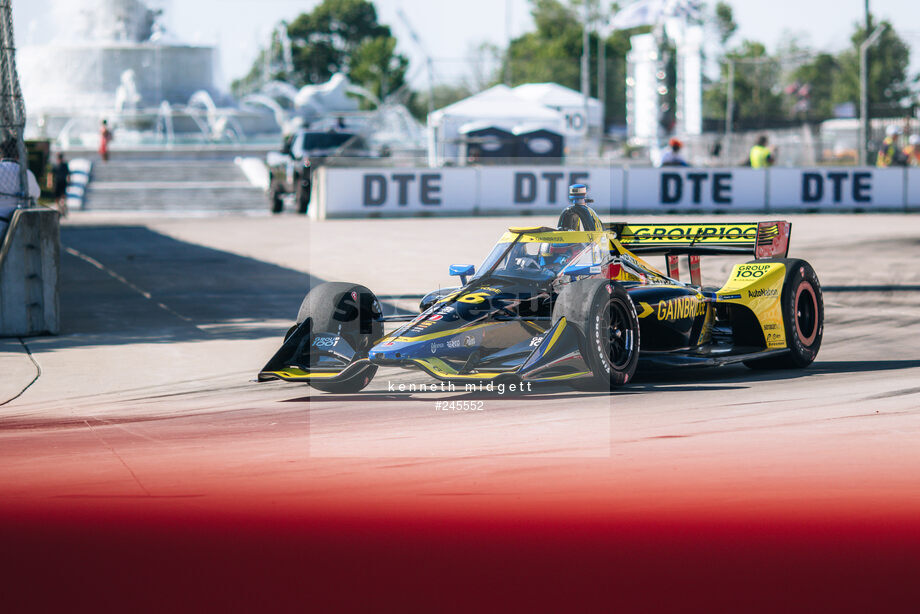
(578, 192)
(462, 270)
(457, 346)
(578, 271)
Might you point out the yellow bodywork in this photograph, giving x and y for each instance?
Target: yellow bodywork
(439, 368)
(759, 287)
(672, 235)
(293, 373)
(555, 236)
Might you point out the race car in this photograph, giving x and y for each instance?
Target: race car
(576, 304)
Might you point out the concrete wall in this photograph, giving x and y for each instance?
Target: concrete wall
(29, 274)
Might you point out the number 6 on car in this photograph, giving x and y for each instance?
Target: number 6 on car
(473, 298)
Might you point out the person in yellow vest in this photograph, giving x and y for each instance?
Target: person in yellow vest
(761, 155)
(912, 151)
(890, 154)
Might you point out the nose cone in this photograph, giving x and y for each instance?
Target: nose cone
(388, 351)
(456, 346)
(450, 342)
(402, 348)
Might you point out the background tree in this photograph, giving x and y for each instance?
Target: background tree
(265, 68)
(889, 85)
(758, 88)
(724, 18)
(376, 65)
(818, 76)
(552, 53)
(338, 36)
(832, 80)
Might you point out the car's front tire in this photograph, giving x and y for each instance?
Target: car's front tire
(606, 317)
(350, 311)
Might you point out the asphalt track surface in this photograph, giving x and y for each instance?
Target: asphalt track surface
(141, 467)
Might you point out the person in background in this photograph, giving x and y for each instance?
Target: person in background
(890, 154)
(11, 194)
(60, 174)
(671, 156)
(105, 136)
(338, 125)
(761, 155)
(912, 151)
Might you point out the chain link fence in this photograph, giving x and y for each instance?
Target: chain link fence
(18, 186)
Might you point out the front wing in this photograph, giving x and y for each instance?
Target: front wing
(329, 358)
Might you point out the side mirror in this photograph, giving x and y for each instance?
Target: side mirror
(462, 270)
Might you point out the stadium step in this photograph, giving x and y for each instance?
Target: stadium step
(171, 185)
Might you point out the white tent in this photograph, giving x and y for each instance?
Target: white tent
(567, 101)
(497, 106)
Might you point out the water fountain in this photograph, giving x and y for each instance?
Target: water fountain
(127, 97)
(113, 59)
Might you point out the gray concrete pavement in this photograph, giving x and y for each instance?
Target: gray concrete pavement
(147, 393)
(17, 368)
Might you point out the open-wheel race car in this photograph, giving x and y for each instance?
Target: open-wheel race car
(576, 304)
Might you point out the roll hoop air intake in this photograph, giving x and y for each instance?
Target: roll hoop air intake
(578, 215)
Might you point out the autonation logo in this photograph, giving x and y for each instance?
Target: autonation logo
(761, 292)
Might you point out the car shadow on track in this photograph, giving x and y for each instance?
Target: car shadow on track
(727, 378)
(129, 284)
(741, 374)
(556, 393)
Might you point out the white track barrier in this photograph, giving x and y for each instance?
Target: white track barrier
(913, 189)
(534, 190)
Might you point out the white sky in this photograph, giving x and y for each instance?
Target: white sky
(450, 29)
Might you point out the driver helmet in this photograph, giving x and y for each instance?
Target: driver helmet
(893, 130)
(559, 250)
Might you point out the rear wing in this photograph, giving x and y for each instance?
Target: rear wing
(759, 239)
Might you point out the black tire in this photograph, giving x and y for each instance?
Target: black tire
(803, 316)
(606, 317)
(349, 310)
(275, 196)
(355, 383)
(304, 190)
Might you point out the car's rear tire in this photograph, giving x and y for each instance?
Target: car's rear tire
(351, 311)
(803, 316)
(606, 318)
